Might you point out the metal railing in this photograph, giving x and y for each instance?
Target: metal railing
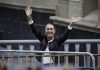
(72, 43)
(11, 54)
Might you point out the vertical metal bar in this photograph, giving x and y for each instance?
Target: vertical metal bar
(8, 64)
(31, 47)
(20, 59)
(27, 59)
(77, 57)
(19, 62)
(34, 59)
(58, 60)
(98, 45)
(10, 59)
(84, 61)
(9, 47)
(20, 47)
(50, 59)
(88, 48)
(66, 47)
(42, 59)
(53, 59)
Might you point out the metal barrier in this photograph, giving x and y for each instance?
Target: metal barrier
(71, 43)
(12, 54)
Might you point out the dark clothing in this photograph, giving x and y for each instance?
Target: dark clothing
(55, 45)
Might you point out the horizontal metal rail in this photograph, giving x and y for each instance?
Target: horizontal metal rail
(37, 41)
(52, 52)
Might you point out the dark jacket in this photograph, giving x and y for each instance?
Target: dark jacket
(55, 45)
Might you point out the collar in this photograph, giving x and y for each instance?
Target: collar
(51, 40)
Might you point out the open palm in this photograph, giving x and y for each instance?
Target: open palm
(28, 11)
(75, 19)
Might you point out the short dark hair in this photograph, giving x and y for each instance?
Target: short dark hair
(51, 24)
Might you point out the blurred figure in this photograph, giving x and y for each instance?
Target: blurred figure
(69, 67)
(33, 66)
(3, 65)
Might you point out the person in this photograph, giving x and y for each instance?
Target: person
(3, 65)
(48, 40)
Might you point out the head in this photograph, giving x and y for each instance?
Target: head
(50, 31)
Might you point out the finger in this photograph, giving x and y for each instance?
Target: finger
(74, 17)
(28, 6)
(79, 18)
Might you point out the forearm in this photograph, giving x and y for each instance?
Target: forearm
(30, 20)
(37, 33)
(64, 36)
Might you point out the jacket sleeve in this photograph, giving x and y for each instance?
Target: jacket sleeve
(64, 36)
(38, 34)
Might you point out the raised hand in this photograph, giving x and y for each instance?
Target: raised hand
(74, 19)
(28, 11)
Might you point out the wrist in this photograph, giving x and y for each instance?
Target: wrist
(31, 22)
(69, 27)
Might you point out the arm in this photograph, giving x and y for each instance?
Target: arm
(64, 36)
(38, 34)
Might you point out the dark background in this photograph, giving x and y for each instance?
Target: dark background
(13, 25)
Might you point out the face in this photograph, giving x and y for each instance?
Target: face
(50, 30)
